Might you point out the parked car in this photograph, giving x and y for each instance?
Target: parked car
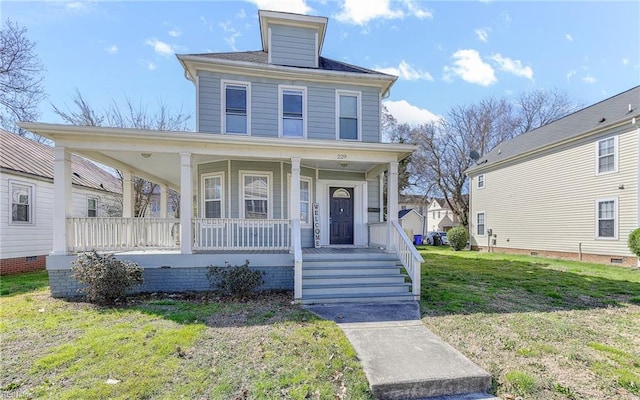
(433, 238)
(443, 236)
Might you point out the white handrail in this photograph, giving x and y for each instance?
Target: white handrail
(409, 256)
(241, 234)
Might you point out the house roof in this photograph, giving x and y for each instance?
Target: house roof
(402, 213)
(590, 120)
(26, 156)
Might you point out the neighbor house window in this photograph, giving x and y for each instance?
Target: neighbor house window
(21, 200)
(92, 207)
(292, 111)
(480, 181)
(606, 211)
(480, 224)
(235, 103)
(606, 161)
(212, 196)
(348, 115)
(256, 195)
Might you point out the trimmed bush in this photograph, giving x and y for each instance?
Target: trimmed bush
(634, 242)
(106, 279)
(238, 281)
(458, 237)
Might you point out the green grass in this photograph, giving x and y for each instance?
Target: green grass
(544, 328)
(23, 283)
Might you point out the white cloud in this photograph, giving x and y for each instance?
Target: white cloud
(483, 34)
(360, 12)
(175, 32)
(405, 71)
(150, 65)
(625, 61)
(570, 74)
(113, 49)
(242, 14)
(589, 79)
(160, 47)
(514, 67)
(469, 66)
(407, 113)
(292, 6)
(232, 34)
(568, 37)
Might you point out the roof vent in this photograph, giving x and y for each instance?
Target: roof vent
(630, 109)
(602, 120)
(76, 174)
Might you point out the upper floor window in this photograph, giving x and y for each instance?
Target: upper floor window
(236, 107)
(607, 158)
(256, 195)
(480, 224)
(92, 207)
(212, 196)
(606, 218)
(348, 115)
(293, 111)
(480, 181)
(21, 200)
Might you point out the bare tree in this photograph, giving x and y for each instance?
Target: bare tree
(21, 79)
(127, 116)
(540, 107)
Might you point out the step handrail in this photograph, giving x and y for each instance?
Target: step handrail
(409, 256)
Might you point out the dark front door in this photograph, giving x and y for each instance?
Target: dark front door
(341, 215)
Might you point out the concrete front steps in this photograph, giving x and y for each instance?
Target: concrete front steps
(353, 276)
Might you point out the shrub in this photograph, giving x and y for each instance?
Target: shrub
(458, 237)
(106, 278)
(634, 241)
(236, 281)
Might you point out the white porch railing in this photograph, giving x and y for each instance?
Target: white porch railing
(402, 246)
(109, 234)
(241, 234)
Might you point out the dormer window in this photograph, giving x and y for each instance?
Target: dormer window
(235, 103)
(293, 111)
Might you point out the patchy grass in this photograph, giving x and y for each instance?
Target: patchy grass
(23, 283)
(545, 329)
(173, 347)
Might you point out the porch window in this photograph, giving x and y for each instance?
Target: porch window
(212, 196)
(606, 218)
(255, 196)
(305, 197)
(92, 207)
(606, 161)
(480, 224)
(293, 110)
(236, 107)
(348, 119)
(21, 200)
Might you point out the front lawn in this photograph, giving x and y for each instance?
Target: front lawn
(545, 329)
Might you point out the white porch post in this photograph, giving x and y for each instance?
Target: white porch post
(127, 194)
(392, 201)
(294, 207)
(186, 206)
(381, 195)
(164, 203)
(61, 199)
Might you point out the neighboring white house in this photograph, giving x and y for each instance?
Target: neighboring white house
(439, 216)
(287, 159)
(411, 222)
(26, 193)
(568, 189)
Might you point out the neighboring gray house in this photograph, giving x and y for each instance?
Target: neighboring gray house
(569, 189)
(286, 168)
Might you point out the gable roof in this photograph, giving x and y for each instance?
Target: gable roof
(402, 213)
(26, 156)
(614, 110)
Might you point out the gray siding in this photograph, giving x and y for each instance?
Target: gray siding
(294, 46)
(341, 175)
(370, 116)
(373, 199)
(258, 167)
(209, 111)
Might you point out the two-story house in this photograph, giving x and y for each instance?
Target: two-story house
(439, 216)
(568, 189)
(286, 169)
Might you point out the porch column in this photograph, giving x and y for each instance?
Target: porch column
(381, 196)
(186, 206)
(164, 203)
(392, 201)
(61, 199)
(294, 207)
(127, 194)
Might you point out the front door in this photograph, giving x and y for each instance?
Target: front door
(341, 215)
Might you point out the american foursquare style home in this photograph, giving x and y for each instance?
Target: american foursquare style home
(286, 169)
(568, 189)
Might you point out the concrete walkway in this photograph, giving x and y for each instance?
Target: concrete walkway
(401, 358)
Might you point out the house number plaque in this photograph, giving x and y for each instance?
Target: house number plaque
(316, 225)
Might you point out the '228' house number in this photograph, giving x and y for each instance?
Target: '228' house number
(342, 156)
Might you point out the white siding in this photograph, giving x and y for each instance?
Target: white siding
(547, 202)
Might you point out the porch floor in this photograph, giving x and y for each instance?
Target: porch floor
(305, 251)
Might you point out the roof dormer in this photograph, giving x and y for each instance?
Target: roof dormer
(292, 39)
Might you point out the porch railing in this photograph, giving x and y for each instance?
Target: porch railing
(84, 234)
(241, 234)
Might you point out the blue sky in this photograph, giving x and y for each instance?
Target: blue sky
(446, 53)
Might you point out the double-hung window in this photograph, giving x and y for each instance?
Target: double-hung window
(236, 109)
(293, 111)
(480, 224)
(348, 115)
(481, 181)
(212, 196)
(92, 207)
(21, 200)
(256, 195)
(305, 201)
(606, 218)
(606, 160)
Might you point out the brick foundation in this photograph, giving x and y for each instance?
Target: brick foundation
(564, 255)
(18, 265)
